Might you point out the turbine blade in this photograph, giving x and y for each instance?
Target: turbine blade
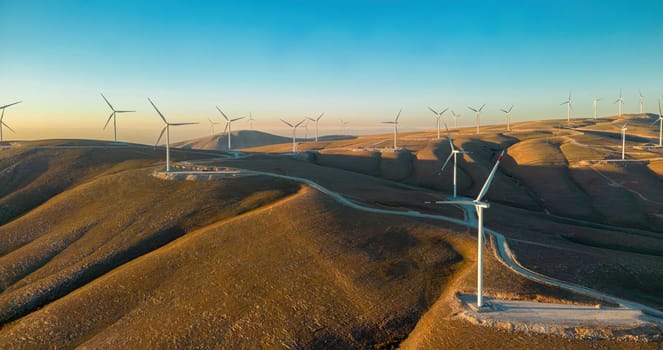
(319, 117)
(311, 119)
(486, 185)
(223, 114)
(232, 120)
(7, 126)
(11, 104)
(510, 108)
(483, 105)
(109, 105)
(450, 202)
(161, 135)
(444, 110)
(180, 124)
(449, 137)
(158, 111)
(125, 111)
(290, 125)
(434, 112)
(300, 123)
(225, 130)
(398, 115)
(108, 120)
(472, 109)
(446, 161)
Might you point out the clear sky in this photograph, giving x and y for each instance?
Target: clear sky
(356, 60)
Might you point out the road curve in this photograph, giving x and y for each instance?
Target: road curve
(503, 252)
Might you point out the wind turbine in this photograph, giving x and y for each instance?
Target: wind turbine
(228, 124)
(112, 115)
(596, 106)
(166, 129)
(508, 117)
(251, 120)
(454, 153)
(344, 125)
(437, 119)
(479, 206)
(623, 129)
(2, 123)
(316, 120)
(620, 100)
(294, 135)
(395, 123)
(456, 116)
(660, 128)
(211, 124)
(305, 128)
(478, 112)
(642, 102)
(569, 107)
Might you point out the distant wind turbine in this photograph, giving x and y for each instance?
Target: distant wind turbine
(344, 125)
(112, 115)
(479, 205)
(508, 117)
(455, 116)
(228, 124)
(395, 123)
(438, 116)
(294, 133)
(620, 101)
(642, 102)
(569, 108)
(251, 120)
(2, 117)
(166, 129)
(660, 128)
(454, 153)
(623, 129)
(478, 112)
(596, 106)
(316, 120)
(212, 124)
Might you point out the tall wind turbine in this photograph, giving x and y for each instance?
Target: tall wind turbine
(344, 125)
(508, 117)
(2, 117)
(395, 123)
(479, 206)
(456, 116)
(478, 112)
(438, 116)
(642, 102)
(596, 106)
(166, 129)
(294, 133)
(112, 115)
(211, 125)
(316, 120)
(623, 129)
(454, 153)
(251, 120)
(660, 128)
(569, 107)
(228, 124)
(620, 100)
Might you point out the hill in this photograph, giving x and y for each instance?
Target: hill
(239, 139)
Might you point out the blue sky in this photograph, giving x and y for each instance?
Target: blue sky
(357, 60)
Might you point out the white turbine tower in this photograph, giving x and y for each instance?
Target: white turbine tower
(508, 117)
(2, 117)
(478, 112)
(660, 128)
(316, 120)
(596, 106)
(455, 116)
(454, 153)
(479, 205)
(569, 108)
(438, 116)
(642, 102)
(294, 133)
(211, 125)
(623, 129)
(395, 123)
(166, 129)
(228, 124)
(344, 125)
(620, 100)
(112, 115)
(251, 120)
